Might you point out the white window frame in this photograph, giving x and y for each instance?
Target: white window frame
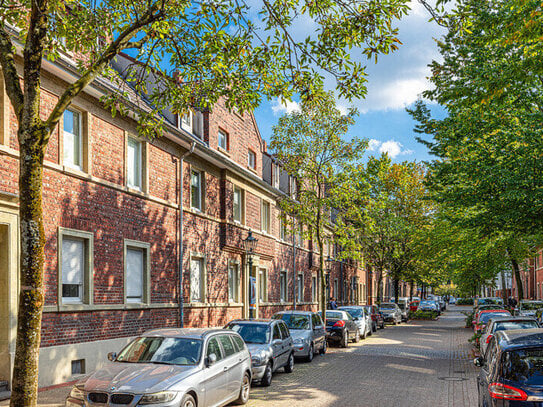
(201, 177)
(336, 289)
(138, 183)
(265, 217)
(234, 269)
(203, 279)
(314, 291)
(222, 134)
(263, 294)
(145, 247)
(283, 232)
(300, 288)
(251, 153)
(241, 219)
(88, 272)
(283, 286)
(79, 138)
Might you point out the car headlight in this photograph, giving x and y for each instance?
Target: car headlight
(298, 341)
(256, 360)
(77, 393)
(160, 397)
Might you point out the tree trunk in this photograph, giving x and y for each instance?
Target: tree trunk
(396, 289)
(379, 287)
(504, 291)
(31, 297)
(518, 278)
(411, 284)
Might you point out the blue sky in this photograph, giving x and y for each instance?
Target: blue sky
(394, 83)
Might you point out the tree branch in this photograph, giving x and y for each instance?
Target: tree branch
(11, 78)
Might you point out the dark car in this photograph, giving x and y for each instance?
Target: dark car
(341, 328)
(376, 317)
(512, 369)
(391, 312)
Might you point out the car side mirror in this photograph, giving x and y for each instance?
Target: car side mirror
(111, 356)
(479, 362)
(211, 360)
(277, 342)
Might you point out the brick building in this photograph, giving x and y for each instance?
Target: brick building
(531, 272)
(132, 223)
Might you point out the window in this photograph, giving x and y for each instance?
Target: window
(284, 330)
(300, 288)
(76, 266)
(313, 289)
(223, 140)
(276, 332)
(196, 190)
(275, 175)
(263, 285)
(265, 216)
(336, 289)
(72, 139)
(345, 290)
(238, 342)
(283, 286)
(134, 164)
(283, 227)
(197, 279)
(251, 159)
(239, 205)
(136, 273)
(192, 121)
(299, 238)
(213, 348)
(227, 345)
(233, 282)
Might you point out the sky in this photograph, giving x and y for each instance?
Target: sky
(394, 83)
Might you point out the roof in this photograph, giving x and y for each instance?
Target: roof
(298, 312)
(195, 333)
(252, 321)
(489, 311)
(507, 319)
(520, 338)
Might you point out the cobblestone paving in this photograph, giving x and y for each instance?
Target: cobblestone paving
(419, 364)
(422, 363)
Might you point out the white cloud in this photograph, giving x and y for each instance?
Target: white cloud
(393, 149)
(281, 107)
(373, 144)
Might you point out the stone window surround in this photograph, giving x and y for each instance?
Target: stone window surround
(146, 247)
(196, 168)
(86, 141)
(243, 204)
(238, 264)
(88, 291)
(202, 256)
(144, 163)
(300, 298)
(285, 273)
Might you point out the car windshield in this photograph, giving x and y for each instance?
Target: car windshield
(524, 365)
(506, 325)
(427, 303)
(490, 301)
(168, 351)
(486, 316)
(252, 333)
(294, 321)
(388, 306)
(334, 315)
(402, 306)
(355, 312)
(531, 305)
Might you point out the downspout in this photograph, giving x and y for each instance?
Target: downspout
(181, 159)
(295, 279)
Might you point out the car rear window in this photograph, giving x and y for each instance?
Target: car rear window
(486, 316)
(294, 321)
(524, 365)
(506, 325)
(252, 333)
(334, 315)
(355, 312)
(532, 306)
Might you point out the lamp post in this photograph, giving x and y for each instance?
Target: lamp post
(249, 244)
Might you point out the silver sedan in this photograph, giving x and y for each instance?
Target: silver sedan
(171, 367)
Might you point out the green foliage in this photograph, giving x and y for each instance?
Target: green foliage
(469, 317)
(419, 314)
(464, 301)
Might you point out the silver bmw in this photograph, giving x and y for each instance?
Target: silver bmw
(171, 367)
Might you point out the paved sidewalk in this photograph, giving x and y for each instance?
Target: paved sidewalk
(419, 364)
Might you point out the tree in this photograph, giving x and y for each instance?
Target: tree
(309, 145)
(488, 148)
(197, 51)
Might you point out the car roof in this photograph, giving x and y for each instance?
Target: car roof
(254, 321)
(488, 311)
(349, 306)
(193, 333)
(520, 338)
(298, 312)
(507, 319)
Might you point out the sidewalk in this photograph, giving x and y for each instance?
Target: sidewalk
(53, 396)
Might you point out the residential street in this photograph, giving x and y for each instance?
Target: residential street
(422, 363)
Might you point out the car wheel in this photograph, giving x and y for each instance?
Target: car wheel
(374, 327)
(370, 332)
(364, 334)
(324, 346)
(188, 401)
(244, 391)
(356, 338)
(345, 339)
(267, 378)
(383, 325)
(310, 354)
(289, 367)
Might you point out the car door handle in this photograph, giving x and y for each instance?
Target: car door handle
(225, 368)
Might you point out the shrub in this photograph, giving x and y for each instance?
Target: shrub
(423, 315)
(464, 301)
(469, 318)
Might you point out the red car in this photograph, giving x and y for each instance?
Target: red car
(482, 318)
(377, 319)
(413, 306)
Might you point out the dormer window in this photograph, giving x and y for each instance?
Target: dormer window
(251, 159)
(193, 122)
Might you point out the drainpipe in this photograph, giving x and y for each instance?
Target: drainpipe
(181, 159)
(295, 280)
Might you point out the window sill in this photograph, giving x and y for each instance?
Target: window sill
(252, 170)
(105, 307)
(223, 151)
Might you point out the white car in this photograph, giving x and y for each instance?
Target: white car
(361, 317)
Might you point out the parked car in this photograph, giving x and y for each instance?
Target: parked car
(479, 323)
(391, 312)
(307, 331)
(429, 305)
(341, 328)
(527, 308)
(404, 310)
(167, 367)
(376, 317)
(361, 317)
(270, 346)
(487, 301)
(452, 300)
(512, 369)
(414, 305)
(503, 324)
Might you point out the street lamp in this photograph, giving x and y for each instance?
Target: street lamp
(249, 244)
